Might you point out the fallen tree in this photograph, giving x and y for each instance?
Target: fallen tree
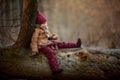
(78, 64)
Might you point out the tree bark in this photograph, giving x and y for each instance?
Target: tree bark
(77, 64)
(28, 23)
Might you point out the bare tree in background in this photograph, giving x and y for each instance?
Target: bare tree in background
(10, 19)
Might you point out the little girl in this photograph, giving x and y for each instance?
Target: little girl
(43, 41)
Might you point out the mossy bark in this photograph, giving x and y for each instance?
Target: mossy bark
(77, 64)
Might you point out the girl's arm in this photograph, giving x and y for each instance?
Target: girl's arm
(34, 41)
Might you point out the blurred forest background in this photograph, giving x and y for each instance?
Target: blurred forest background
(96, 22)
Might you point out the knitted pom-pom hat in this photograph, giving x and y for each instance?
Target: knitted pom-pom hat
(40, 18)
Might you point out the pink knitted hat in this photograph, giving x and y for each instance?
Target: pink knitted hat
(40, 18)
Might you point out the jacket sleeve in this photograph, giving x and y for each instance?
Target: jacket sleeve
(34, 40)
(47, 32)
(49, 35)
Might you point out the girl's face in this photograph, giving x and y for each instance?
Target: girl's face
(44, 26)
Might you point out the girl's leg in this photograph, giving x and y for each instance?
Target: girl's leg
(52, 61)
(66, 45)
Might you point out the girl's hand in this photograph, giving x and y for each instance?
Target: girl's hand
(34, 53)
(54, 37)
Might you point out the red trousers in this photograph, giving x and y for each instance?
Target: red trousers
(50, 54)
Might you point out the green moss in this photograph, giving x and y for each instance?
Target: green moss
(19, 55)
(14, 54)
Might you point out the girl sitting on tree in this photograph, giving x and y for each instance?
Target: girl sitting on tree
(43, 41)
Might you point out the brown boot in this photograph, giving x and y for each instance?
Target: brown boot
(58, 71)
(79, 43)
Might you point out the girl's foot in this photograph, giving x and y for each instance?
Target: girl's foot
(79, 43)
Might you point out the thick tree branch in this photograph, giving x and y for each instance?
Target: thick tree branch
(78, 64)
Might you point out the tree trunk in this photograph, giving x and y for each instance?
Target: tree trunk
(28, 23)
(77, 64)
